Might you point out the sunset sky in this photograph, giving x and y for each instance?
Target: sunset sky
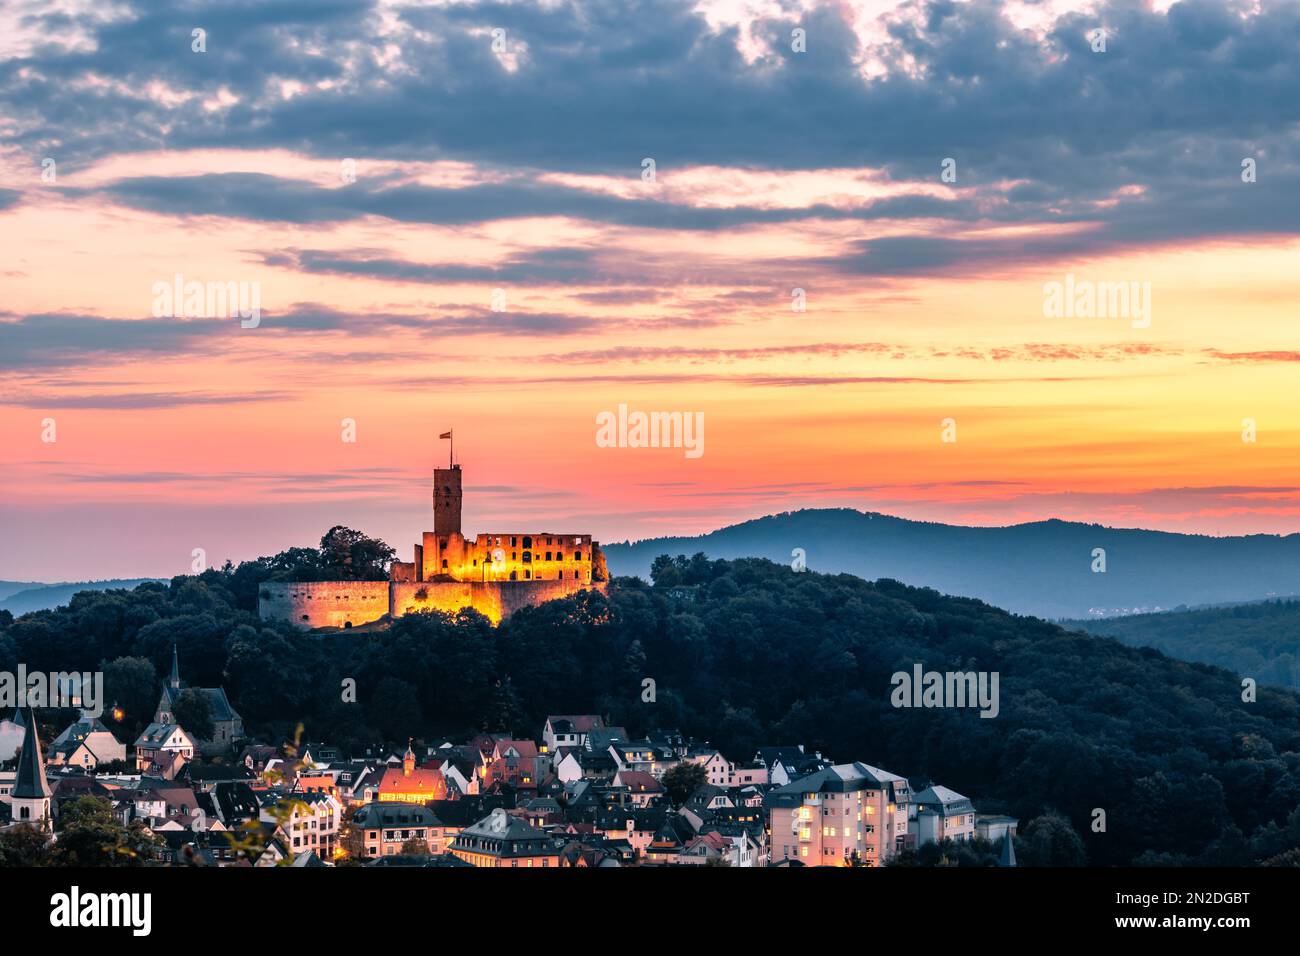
(521, 169)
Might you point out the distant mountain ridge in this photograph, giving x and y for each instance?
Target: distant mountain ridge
(18, 597)
(1042, 568)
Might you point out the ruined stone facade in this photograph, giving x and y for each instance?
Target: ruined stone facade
(494, 573)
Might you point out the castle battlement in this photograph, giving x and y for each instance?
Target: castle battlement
(495, 573)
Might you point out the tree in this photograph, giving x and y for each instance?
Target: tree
(90, 835)
(1049, 840)
(415, 847)
(131, 684)
(664, 572)
(194, 713)
(683, 780)
(24, 845)
(354, 556)
(352, 841)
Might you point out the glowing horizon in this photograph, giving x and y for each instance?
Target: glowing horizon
(522, 172)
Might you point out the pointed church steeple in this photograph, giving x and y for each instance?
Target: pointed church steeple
(1008, 851)
(30, 799)
(174, 681)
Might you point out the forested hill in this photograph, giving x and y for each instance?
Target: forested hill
(22, 598)
(1260, 640)
(1043, 568)
(749, 653)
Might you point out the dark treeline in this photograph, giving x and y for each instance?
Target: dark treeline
(747, 653)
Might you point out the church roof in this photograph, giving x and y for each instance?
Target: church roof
(30, 782)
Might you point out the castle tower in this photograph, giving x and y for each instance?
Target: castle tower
(30, 800)
(408, 761)
(446, 501)
(174, 681)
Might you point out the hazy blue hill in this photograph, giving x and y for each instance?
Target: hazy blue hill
(13, 587)
(41, 597)
(1259, 640)
(1041, 568)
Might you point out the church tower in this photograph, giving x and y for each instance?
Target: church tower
(408, 761)
(446, 501)
(30, 800)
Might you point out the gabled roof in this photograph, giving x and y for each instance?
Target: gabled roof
(525, 748)
(155, 734)
(841, 778)
(942, 799)
(638, 781)
(501, 825)
(395, 814)
(575, 723)
(30, 781)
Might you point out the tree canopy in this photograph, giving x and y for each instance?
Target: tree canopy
(748, 653)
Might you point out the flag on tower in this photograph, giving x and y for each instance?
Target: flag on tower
(445, 435)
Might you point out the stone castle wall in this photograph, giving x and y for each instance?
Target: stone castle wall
(343, 603)
(315, 604)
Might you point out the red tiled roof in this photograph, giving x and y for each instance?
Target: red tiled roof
(421, 781)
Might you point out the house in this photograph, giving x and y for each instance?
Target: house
(500, 840)
(567, 766)
(411, 784)
(708, 801)
(156, 799)
(517, 763)
(256, 756)
(789, 763)
(386, 827)
(751, 774)
(462, 767)
(86, 743)
(205, 777)
(227, 725)
(600, 738)
(582, 855)
(162, 749)
(234, 803)
(717, 768)
(844, 814)
(994, 827)
(637, 826)
(633, 755)
(942, 814)
(740, 847)
(705, 848)
(643, 787)
(569, 730)
(305, 821)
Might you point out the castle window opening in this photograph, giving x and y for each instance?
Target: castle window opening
(528, 557)
(548, 555)
(514, 576)
(577, 556)
(444, 564)
(528, 575)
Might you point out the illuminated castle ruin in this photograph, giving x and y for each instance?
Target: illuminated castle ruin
(494, 573)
